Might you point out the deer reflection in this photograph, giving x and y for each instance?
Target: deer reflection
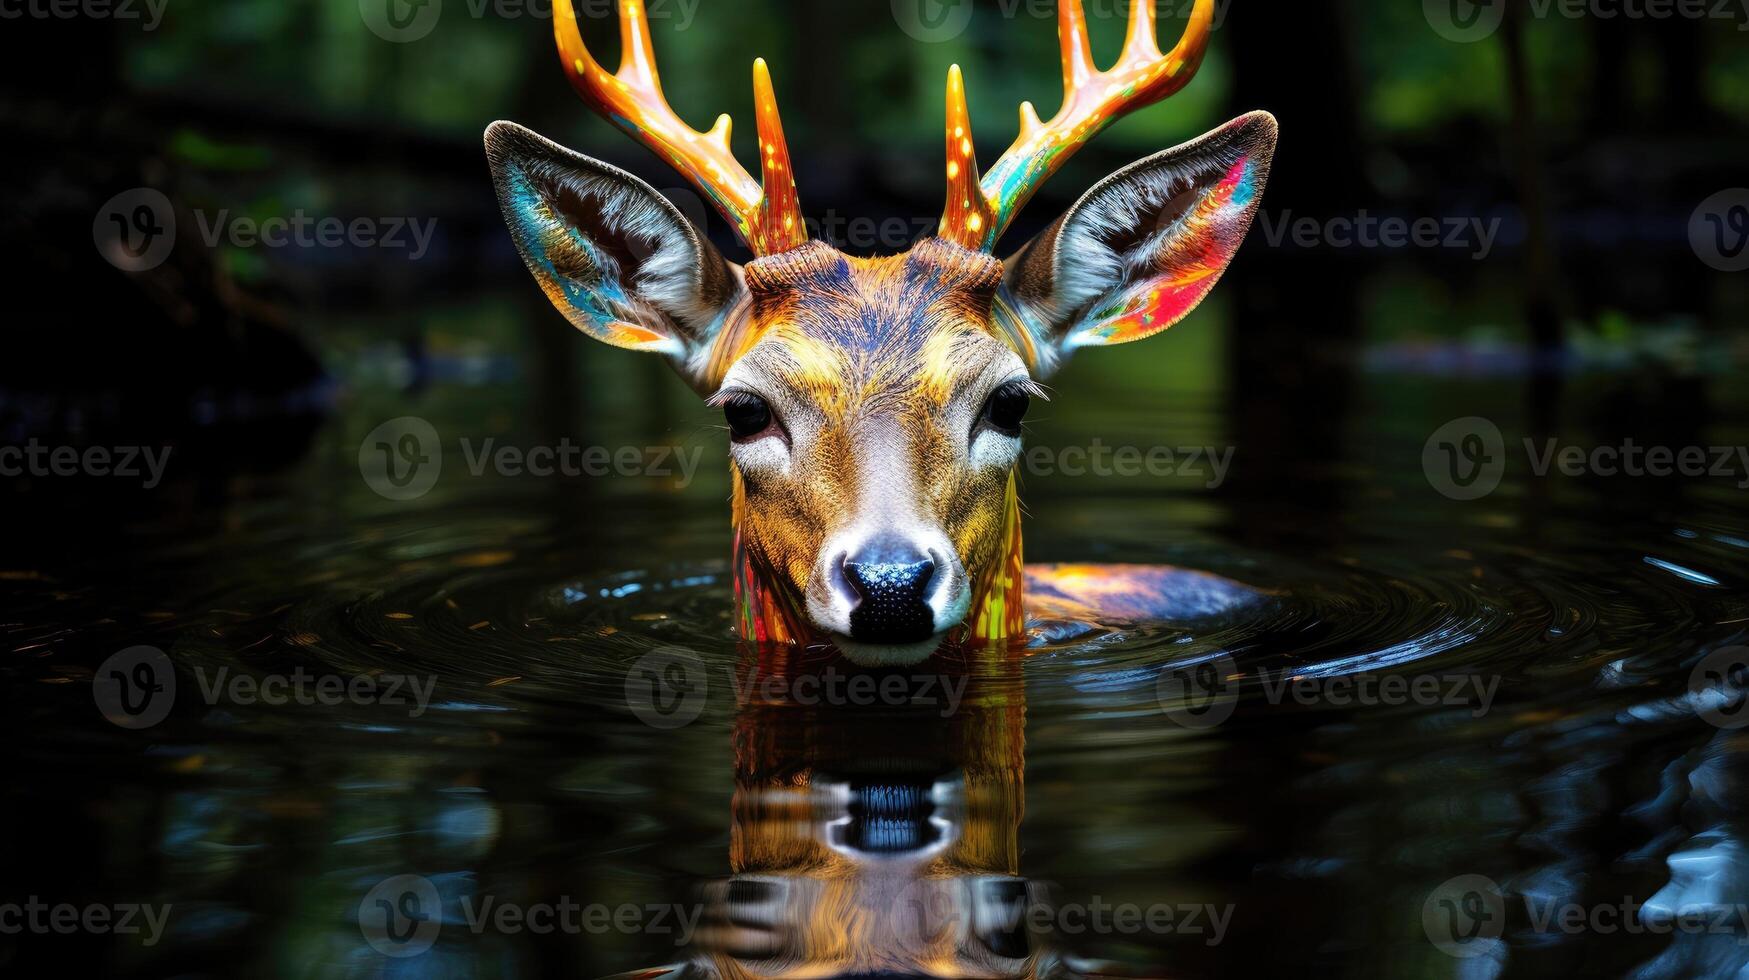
(877, 840)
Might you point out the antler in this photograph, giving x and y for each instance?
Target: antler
(767, 217)
(980, 209)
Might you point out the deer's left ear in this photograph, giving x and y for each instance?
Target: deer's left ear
(1141, 249)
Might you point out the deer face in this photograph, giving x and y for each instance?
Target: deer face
(874, 425)
(874, 405)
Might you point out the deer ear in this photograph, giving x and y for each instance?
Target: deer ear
(1141, 249)
(617, 259)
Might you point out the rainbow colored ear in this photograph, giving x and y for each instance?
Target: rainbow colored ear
(616, 258)
(1141, 249)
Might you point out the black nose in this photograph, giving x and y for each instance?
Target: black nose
(891, 580)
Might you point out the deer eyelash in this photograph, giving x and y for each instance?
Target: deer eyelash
(729, 396)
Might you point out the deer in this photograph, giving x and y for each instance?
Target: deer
(875, 405)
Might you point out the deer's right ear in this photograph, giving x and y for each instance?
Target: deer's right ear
(617, 259)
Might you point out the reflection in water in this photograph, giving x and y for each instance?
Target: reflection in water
(881, 841)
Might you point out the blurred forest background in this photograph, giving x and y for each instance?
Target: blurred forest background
(1591, 140)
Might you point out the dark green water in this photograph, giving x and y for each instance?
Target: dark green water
(1557, 751)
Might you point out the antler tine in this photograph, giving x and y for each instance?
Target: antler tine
(1078, 63)
(767, 216)
(1092, 100)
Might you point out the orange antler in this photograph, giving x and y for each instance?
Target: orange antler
(1092, 100)
(767, 217)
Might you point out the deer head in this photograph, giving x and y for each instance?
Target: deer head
(875, 404)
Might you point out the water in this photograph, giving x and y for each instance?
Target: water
(1295, 814)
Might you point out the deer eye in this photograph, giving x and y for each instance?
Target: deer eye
(747, 414)
(1007, 408)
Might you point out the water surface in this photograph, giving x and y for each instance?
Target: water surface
(1561, 755)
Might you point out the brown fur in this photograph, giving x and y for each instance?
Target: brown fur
(878, 352)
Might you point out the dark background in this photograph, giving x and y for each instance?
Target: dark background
(1591, 140)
